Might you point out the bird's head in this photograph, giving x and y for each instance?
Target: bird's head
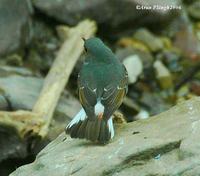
(95, 47)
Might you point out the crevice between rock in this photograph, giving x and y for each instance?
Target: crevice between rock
(141, 157)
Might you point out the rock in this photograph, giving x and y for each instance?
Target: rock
(187, 42)
(22, 93)
(195, 87)
(194, 10)
(43, 48)
(166, 144)
(178, 23)
(145, 57)
(10, 70)
(130, 108)
(113, 14)
(127, 42)
(11, 145)
(154, 103)
(171, 59)
(3, 103)
(149, 39)
(182, 92)
(134, 67)
(143, 114)
(167, 43)
(15, 25)
(163, 75)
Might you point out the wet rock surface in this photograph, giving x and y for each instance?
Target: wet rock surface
(166, 144)
(14, 25)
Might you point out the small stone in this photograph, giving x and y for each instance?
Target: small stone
(150, 40)
(183, 91)
(187, 42)
(163, 75)
(145, 57)
(134, 67)
(195, 87)
(129, 42)
(143, 114)
(171, 59)
(166, 42)
(157, 157)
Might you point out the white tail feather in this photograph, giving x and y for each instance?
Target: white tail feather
(110, 127)
(80, 116)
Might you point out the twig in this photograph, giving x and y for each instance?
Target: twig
(24, 122)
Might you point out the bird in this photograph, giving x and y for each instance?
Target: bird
(102, 85)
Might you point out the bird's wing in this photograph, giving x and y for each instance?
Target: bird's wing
(87, 95)
(113, 95)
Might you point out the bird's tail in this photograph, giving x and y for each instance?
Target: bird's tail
(95, 130)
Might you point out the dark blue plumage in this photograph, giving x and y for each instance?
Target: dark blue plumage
(102, 84)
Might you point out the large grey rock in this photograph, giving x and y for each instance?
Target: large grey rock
(166, 144)
(11, 145)
(22, 92)
(14, 25)
(112, 13)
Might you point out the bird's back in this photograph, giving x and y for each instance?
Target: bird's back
(102, 84)
(100, 75)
